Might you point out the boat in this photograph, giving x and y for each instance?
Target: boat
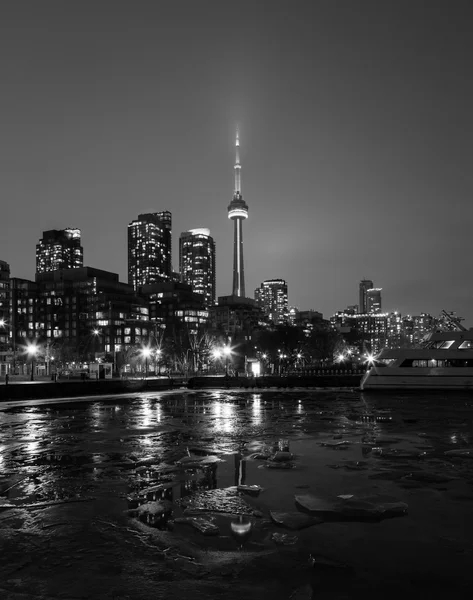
(444, 361)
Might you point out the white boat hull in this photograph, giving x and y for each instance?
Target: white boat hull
(388, 378)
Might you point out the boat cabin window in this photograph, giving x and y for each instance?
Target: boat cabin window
(446, 344)
(424, 363)
(466, 344)
(436, 363)
(436, 344)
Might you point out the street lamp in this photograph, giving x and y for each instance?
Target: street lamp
(32, 350)
(146, 353)
(216, 355)
(227, 351)
(158, 359)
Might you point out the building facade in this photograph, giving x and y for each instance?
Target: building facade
(90, 311)
(373, 301)
(172, 304)
(197, 263)
(369, 330)
(238, 212)
(59, 249)
(149, 249)
(4, 315)
(271, 297)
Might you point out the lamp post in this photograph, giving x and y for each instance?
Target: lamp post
(158, 360)
(264, 357)
(216, 354)
(227, 351)
(146, 353)
(32, 350)
(2, 325)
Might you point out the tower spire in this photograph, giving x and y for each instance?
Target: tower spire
(237, 165)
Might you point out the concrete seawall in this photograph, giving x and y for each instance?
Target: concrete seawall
(72, 389)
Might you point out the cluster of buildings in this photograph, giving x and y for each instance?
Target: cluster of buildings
(366, 327)
(88, 312)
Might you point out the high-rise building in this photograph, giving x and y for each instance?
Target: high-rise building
(373, 300)
(271, 297)
(149, 249)
(59, 249)
(197, 262)
(5, 324)
(237, 212)
(365, 285)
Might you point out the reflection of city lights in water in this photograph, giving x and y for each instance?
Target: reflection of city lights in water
(241, 529)
(158, 412)
(146, 441)
(97, 415)
(146, 412)
(225, 413)
(257, 414)
(32, 446)
(299, 407)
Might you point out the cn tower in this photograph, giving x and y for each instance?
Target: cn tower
(237, 212)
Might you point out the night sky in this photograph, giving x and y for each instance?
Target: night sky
(355, 121)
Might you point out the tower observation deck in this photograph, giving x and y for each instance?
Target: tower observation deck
(237, 212)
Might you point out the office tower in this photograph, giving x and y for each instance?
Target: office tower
(365, 285)
(197, 262)
(373, 300)
(59, 249)
(237, 212)
(5, 324)
(149, 249)
(271, 297)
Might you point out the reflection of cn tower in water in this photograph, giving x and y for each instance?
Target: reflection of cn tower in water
(237, 211)
(239, 469)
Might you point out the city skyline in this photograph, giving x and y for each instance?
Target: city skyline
(355, 124)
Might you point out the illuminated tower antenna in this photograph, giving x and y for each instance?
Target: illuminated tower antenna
(237, 212)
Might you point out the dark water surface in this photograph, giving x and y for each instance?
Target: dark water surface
(95, 498)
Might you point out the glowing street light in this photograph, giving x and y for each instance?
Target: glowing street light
(158, 359)
(32, 350)
(146, 352)
(227, 351)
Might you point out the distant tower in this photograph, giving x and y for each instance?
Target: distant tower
(365, 285)
(271, 297)
(149, 249)
(59, 249)
(197, 262)
(237, 211)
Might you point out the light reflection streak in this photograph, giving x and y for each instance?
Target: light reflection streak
(147, 413)
(32, 446)
(225, 413)
(257, 413)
